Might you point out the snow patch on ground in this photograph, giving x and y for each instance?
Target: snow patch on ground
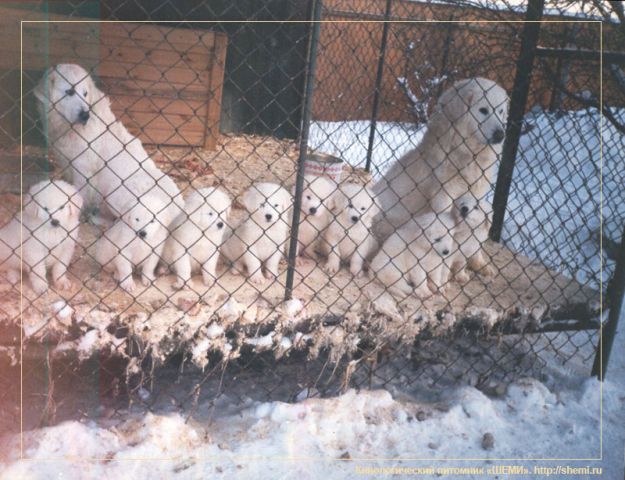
(263, 439)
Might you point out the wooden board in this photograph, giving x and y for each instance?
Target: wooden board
(171, 73)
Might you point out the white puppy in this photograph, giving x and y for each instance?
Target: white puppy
(412, 259)
(471, 232)
(95, 151)
(136, 240)
(315, 214)
(261, 238)
(349, 237)
(196, 236)
(458, 153)
(49, 231)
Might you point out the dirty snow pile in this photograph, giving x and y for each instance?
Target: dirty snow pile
(338, 437)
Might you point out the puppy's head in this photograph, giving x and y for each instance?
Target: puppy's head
(476, 108)
(469, 210)
(356, 203)
(53, 203)
(266, 202)
(67, 94)
(147, 216)
(438, 232)
(208, 208)
(317, 197)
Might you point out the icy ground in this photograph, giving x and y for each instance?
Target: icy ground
(554, 206)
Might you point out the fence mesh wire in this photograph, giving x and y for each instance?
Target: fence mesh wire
(174, 234)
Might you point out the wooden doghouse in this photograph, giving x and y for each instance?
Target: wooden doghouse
(165, 83)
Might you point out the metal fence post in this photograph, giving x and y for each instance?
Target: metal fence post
(524, 66)
(378, 85)
(615, 304)
(311, 63)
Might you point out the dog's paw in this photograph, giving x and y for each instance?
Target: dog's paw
(357, 272)
(13, 276)
(331, 267)
(162, 270)
(258, 279)
(178, 284)
(63, 283)
(39, 286)
(146, 281)
(462, 277)
(487, 271)
(208, 280)
(422, 293)
(128, 285)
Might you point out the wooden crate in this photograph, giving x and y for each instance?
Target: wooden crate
(165, 83)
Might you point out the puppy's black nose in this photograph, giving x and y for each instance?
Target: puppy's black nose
(142, 233)
(498, 136)
(464, 211)
(55, 222)
(445, 252)
(220, 225)
(83, 116)
(354, 218)
(312, 210)
(268, 216)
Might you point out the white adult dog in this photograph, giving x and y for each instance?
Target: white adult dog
(315, 214)
(49, 231)
(457, 154)
(196, 236)
(96, 153)
(135, 242)
(260, 240)
(349, 236)
(414, 259)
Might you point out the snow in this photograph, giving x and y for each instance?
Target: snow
(349, 140)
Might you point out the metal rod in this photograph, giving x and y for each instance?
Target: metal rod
(617, 312)
(581, 54)
(524, 66)
(378, 85)
(445, 57)
(311, 64)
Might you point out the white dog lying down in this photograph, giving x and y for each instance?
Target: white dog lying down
(413, 259)
(315, 215)
(49, 230)
(135, 241)
(457, 154)
(260, 240)
(349, 237)
(96, 153)
(472, 225)
(196, 236)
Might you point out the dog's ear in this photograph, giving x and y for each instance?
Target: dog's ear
(101, 104)
(252, 199)
(75, 205)
(45, 85)
(31, 208)
(339, 201)
(287, 200)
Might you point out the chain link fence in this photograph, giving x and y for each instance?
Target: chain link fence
(286, 209)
